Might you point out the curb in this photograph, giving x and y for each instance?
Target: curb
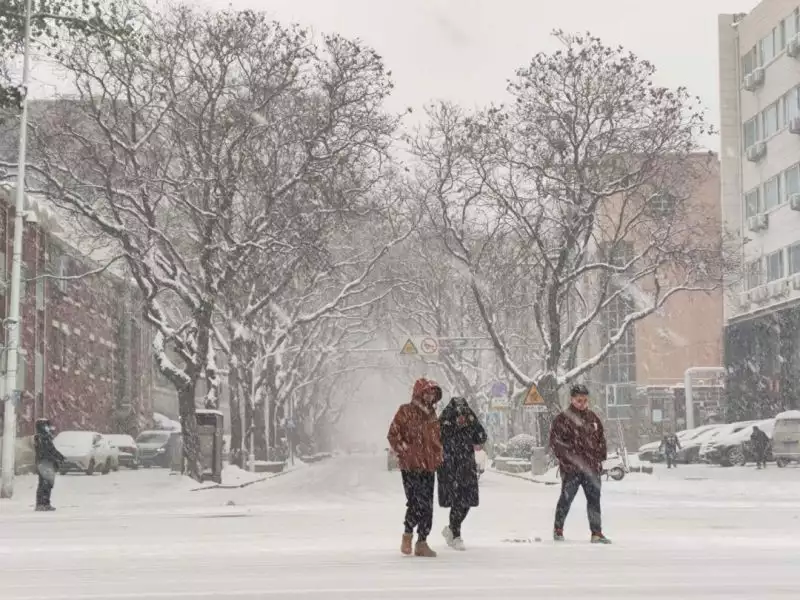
(523, 478)
(222, 486)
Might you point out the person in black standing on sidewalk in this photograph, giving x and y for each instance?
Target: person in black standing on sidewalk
(760, 442)
(578, 441)
(48, 461)
(415, 437)
(670, 446)
(462, 436)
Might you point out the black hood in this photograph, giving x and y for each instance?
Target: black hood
(43, 426)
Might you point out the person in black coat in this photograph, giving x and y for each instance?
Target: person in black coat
(760, 442)
(48, 461)
(462, 435)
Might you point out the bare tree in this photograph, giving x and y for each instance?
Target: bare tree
(576, 196)
(210, 146)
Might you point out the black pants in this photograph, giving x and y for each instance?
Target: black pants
(671, 461)
(418, 486)
(761, 458)
(457, 516)
(47, 479)
(570, 482)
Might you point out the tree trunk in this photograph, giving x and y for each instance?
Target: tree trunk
(237, 454)
(259, 429)
(548, 389)
(189, 434)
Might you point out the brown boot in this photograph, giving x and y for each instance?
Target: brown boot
(422, 549)
(405, 545)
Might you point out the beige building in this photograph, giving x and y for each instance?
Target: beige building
(642, 377)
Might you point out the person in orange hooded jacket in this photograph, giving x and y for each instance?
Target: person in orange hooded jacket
(415, 437)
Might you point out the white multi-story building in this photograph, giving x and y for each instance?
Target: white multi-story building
(759, 70)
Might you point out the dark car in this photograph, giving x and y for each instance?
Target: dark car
(127, 448)
(155, 447)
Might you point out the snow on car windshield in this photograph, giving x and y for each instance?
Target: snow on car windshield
(74, 438)
(153, 438)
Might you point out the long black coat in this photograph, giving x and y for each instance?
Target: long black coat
(458, 475)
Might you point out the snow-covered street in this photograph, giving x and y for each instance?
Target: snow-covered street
(332, 531)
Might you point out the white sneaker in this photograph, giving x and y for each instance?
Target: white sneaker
(458, 544)
(448, 536)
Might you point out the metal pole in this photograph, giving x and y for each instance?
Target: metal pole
(10, 413)
(687, 388)
(251, 459)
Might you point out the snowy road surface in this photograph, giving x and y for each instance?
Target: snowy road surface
(331, 531)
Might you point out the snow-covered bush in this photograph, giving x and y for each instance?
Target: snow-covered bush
(521, 446)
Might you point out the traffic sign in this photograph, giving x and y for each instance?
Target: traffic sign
(409, 348)
(425, 346)
(499, 389)
(534, 398)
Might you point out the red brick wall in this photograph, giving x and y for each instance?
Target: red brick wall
(91, 378)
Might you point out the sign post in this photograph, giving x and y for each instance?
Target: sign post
(423, 346)
(534, 400)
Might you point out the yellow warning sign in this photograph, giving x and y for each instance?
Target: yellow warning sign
(533, 398)
(409, 348)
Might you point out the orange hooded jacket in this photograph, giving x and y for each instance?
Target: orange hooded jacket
(414, 434)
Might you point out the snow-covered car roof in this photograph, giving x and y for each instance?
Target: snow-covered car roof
(734, 439)
(789, 414)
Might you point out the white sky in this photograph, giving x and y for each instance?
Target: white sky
(465, 50)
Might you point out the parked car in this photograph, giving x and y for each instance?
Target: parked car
(127, 449)
(710, 451)
(690, 447)
(786, 438)
(391, 460)
(735, 448)
(155, 447)
(651, 452)
(86, 452)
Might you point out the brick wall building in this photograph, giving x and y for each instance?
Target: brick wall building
(85, 356)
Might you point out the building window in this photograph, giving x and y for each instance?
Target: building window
(770, 117)
(791, 181)
(794, 258)
(767, 47)
(661, 205)
(59, 347)
(789, 27)
(750, 132)
(791, 105)
(38, 368)
(39, 294)
(772, 193)
(754, 274)
(750, 61)
(775, 266)
(22, 370)
(3, 274)
(751, 202)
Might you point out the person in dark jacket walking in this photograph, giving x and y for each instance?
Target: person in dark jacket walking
(415, 437)
(578, 441)
(670, 446)
(760, 442)
(462, 436)
(48, 461)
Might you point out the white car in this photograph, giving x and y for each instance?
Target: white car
(127, 450)
(86, 452)
(708, 450)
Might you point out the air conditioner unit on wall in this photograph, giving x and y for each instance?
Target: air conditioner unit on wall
(793, 47)
(794, 202)
(758, 222)
(744, 300)
(754, 79)
(778, 288)
(756, 152)
(761, 294)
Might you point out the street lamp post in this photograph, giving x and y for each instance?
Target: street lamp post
(12, 394)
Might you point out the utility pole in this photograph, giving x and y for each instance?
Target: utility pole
(13, 331)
